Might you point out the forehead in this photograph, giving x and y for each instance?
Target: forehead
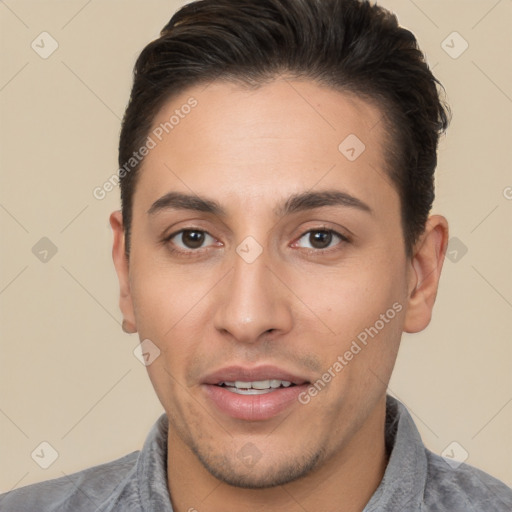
(283, 137)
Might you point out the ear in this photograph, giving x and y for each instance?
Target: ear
(424, 272)
(122, 268)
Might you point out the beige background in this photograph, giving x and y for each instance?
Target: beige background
(68, 373)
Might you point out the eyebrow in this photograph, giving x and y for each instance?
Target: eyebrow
(295, 203)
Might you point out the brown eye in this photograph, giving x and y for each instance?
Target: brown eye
(189, 238)
(321, 239)
(192, 239)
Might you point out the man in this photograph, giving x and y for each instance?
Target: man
(276, 170)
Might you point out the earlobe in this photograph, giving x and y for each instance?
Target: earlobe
(425, 271)
(122, 269)
(128, 327)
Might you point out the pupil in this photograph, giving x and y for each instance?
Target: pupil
(193, 239)
(323, 237)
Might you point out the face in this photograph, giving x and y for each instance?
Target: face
(267, 266)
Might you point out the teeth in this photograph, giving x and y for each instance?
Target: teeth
(256, 385)
(249, 391)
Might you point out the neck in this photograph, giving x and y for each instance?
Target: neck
(346, 481)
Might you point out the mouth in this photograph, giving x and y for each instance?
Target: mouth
(253, 394)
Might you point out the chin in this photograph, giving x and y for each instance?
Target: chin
(258, 474)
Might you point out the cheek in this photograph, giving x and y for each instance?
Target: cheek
(360, 311)
(346, 300)
(164, 297)
(169, 311)
(168, 314)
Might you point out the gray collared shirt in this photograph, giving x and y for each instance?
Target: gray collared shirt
(415, 480)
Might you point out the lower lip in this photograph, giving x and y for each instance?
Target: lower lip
(254, 407)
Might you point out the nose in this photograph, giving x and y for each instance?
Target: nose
(252, 302)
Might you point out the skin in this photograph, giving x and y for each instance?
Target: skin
(250, 150)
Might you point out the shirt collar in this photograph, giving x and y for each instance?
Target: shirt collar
(152, 469)
(403, 484)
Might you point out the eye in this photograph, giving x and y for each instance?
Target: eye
(187, 239)
(322, 238)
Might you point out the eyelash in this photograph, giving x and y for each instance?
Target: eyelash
(191, 253)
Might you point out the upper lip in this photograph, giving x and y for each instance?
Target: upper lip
(250, 374)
